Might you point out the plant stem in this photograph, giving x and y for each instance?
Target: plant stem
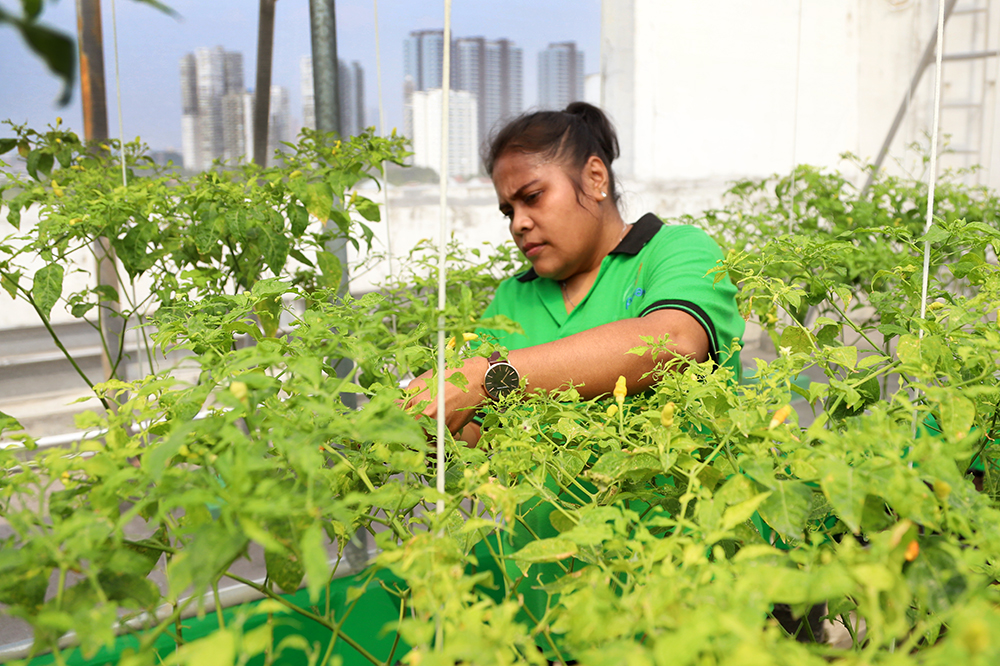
(62, 348)
(303, 612)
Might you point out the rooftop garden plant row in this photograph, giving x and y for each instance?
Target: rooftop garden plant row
(684, 515)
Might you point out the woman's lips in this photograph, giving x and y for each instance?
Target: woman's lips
(532, 249)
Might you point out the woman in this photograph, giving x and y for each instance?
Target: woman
(597, 285)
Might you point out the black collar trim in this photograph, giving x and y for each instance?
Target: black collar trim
(642, 232)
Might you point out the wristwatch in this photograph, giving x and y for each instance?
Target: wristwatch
(501, 378)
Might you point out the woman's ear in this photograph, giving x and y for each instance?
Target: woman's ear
(595, 178)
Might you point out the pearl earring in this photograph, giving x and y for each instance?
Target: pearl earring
(604, 195)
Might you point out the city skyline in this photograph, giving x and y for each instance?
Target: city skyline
(490, 70)
(151, 45)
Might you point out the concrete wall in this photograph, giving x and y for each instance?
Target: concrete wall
(730, 88)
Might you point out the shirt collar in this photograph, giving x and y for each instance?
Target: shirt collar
(642, 232)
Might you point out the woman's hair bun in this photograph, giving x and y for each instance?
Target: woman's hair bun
(600, 127)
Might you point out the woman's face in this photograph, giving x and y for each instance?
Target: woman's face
(557, 227)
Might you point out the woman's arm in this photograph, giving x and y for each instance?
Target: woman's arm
(591, 360)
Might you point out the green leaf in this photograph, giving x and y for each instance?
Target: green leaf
(7, 145)
(743, 511)
(156, 4)
(315, 560)
(297, 255)
(274, 249)
(25, 588)
(845, 356)
(55, 48)
(10, 281)
(616, 464)
(787, 508)
(205, 558)
(341, 219)
(32, 8)
(285, 570)
(846, 489)
(957, 416)
(268, 310)
(796, 338)
(122, 586)
(908, 349)
(330, 269)
(320, 201)
(298, 216)
(368, 209)
(215, 649)
(544, 550)
(47, 288)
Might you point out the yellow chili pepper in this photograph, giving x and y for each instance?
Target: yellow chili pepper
(620, 391)
(239, 390)
(466, 337)
(667, 415)
(779, 417)
(912, 550)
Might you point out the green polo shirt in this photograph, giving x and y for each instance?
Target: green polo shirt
(655, 267)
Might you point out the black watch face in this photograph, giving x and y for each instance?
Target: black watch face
(501, 379)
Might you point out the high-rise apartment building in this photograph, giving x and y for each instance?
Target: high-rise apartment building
(217, 111)
(504, 97)
(189, 111)
(279, 125)
(423, 59)
(306, 90)
(491, 71)
(352, 98)
(351, 86)
(463, 148)
(207, 77)
(560, 76)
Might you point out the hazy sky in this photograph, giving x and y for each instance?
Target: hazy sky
(151, 44)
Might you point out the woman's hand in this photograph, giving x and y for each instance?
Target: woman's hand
(460, 405)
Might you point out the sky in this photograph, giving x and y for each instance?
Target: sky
(151, 44)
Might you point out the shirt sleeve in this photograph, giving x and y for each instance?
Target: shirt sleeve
(679, 277)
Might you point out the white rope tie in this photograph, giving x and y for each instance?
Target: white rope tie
(442, 250)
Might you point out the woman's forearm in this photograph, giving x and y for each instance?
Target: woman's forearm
(593, 360)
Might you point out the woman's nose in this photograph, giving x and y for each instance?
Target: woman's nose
(520, 222)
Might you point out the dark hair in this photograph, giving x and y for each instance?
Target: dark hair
(571, 136)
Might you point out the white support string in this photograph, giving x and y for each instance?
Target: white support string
(118, 94)
(795, 121)
(382, 132)
(993, 108)
(442, 251)
(121, 154)
(932, 176)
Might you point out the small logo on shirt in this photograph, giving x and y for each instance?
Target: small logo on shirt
(635, 294)
(634, 291)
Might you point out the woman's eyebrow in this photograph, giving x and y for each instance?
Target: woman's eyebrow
(520, 190)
